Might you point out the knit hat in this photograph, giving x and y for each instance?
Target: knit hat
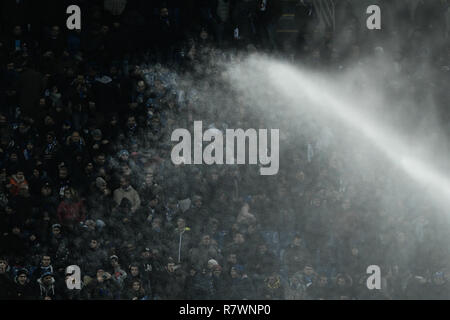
(22, 271)
(56, 226)
(46, 274)
(213, 262)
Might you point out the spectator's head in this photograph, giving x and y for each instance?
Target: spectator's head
(22, 277)
(63, 172)
(75, 137)
(46, 190)
(181, 224)
(134, 270)
(70, 194)
(297, 242)
(56, 229)
(170, 267)
(93, 244)
(46, 261)
(54, 32)
(101, 184)
(124, 182)
(47, 279)
(238, 238)
(164, 12)
(323, 281)
(140, 86)
(206, 240)
(136, 286)
(232, 259)
(17, 31)
(156, 224)
(3, 265)
(131, 121)
(217, 270)
(114, 261)
(124, 155)
(308, 270)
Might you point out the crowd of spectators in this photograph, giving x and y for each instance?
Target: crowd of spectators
(86, 177)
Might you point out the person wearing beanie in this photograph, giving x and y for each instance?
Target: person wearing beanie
(23, 289)
(46, 263)
(46, 286)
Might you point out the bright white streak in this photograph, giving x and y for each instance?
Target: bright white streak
(323, 97)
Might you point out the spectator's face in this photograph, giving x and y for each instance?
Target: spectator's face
(323, 281)
(101, 160)
(140, 87)
(297, 241)
(181, 224)
(49, 138)
(22, 279)
(171, 267)
(63, 173)
(126, 170)
(54, 32)
(75, 137)
(131, 122)
(17, 31)
(100, 274)
(93, 244)
(204, 35)
(20, 175)
(156, 224)
(46, 191)
(341, 282)
(164, 12)
(232, 258)
(47, 280)
(136, 286)
(308, 270)
(56, 231)
(239, 238)
(89, 167)
(114, 263)
(67, 194)
(46, 261)
(49, 121)
(206, 240)
(3, 266)
(134, 271)
(149, 178)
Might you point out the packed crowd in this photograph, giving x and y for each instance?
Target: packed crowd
(86, 176)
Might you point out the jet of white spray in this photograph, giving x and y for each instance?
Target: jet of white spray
(298, 88)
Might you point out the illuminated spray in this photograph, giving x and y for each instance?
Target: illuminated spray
(298, 89)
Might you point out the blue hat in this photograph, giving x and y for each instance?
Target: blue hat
(47, 273)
